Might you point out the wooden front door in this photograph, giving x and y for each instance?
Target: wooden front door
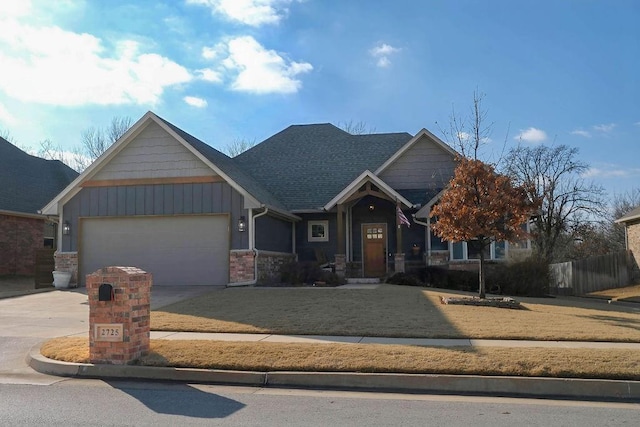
(374, 245)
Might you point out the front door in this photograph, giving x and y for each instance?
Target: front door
(374, 238)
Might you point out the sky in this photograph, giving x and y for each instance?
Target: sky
(551, 71)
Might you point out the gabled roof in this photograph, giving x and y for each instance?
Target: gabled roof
(410, 143)
(630, 216)
(365, 176)
(305, 166)
(28, 182)
(220, 163)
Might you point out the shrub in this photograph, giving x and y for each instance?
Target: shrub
(404, 279)
(296, 273)
(529, 277)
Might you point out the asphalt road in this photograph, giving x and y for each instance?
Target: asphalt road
(99, 403)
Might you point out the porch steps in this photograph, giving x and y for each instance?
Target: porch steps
(363, 281)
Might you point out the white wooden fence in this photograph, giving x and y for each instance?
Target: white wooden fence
(591, 274)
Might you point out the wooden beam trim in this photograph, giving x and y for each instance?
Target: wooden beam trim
(151, 181)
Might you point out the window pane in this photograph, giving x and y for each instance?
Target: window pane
(437, 244)
(500, 250)
(473, 250)
(457, 250)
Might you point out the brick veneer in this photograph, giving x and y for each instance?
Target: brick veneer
(19, 239)
(130, 307)
(398, 260)
(241, 266)
(633, 242)
(67, 261)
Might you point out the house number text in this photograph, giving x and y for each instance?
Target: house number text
(108, 332)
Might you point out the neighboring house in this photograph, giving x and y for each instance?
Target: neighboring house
(164, 201)
(26, 184)
(631, 223)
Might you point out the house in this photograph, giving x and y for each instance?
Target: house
(631, 223)
(26, 184)
(164, 201)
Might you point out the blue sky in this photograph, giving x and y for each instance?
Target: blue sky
(564, 72)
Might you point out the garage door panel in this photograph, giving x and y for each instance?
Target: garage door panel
(182, 250)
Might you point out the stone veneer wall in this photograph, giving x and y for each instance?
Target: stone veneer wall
(633, 241)
(67, 261)
(270, 264)
(20, 237)
(241, 266)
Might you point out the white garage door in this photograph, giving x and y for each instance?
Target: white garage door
(178, 250)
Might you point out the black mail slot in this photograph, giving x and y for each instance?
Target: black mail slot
(105, 292)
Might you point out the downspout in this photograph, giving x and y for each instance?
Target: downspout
(252, 244)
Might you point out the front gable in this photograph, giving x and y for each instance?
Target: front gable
(424, 162)
(153, 153)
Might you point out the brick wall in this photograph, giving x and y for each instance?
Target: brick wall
(129, 309)
(241, 266)
(67, 261)
(633, 240)
(19, 239)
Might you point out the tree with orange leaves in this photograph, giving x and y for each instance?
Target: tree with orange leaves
(481, 206)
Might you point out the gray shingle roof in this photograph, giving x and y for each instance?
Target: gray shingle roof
(229, 167)
(631, 215)
(305, 166)
(27, 183)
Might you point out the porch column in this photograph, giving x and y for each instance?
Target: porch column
(399, 257)
(340, 261)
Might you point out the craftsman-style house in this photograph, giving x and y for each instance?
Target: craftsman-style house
(164, 201)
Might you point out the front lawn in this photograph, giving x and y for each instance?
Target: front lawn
(393, 311)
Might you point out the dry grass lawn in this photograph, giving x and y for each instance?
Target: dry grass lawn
(394, 311)
(577, 363)
(630, 293)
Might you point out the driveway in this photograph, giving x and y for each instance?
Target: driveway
(31, 319)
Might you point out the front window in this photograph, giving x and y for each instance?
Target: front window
(318, 231)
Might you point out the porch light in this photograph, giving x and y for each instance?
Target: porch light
(242, 224)
(372, 207)
(66, 228)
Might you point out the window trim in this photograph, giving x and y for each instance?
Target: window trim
(325, 224)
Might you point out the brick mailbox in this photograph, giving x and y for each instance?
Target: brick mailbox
(119, 304)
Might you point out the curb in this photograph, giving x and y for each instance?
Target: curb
(536, 387)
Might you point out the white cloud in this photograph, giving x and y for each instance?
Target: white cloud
(260, 70)
(382, 52)
(610, 172)
(581, 132)
(50, 65)
(637, 123)
(532, 135)
(194, 101)
(463, 136)
(605, 128)
(209, 75)
(6, 118)
(249, 12)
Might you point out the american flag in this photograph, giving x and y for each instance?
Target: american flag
(402, 218)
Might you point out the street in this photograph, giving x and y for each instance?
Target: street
(72, 402)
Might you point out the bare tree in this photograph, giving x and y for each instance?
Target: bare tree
(238, 146)
(554, 177)
(6, 135)
(96, 141)
(356, 128)
(468, 134)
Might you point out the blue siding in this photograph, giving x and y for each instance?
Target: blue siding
(307, 250)
(273, 234)
(165, 199)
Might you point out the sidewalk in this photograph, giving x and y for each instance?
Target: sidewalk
(320, 339)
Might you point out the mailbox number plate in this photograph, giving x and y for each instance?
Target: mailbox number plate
(108, 332)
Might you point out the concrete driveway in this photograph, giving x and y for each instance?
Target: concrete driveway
(31, 319)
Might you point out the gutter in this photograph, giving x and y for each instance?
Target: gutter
(428, 239)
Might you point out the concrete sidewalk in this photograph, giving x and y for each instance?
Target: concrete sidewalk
(321, 339)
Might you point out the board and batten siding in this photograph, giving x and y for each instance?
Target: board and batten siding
(274, 234)
(153, 153)
(158, 200)
(423, 164)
